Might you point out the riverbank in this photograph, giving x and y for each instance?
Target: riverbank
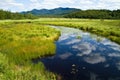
(22, 42)
(79, 54)
(107, 28)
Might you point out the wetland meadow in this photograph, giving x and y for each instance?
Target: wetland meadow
(60, 49)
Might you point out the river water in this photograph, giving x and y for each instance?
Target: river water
(84, 56)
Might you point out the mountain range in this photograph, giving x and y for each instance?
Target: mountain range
(47, 12)
(75, 13)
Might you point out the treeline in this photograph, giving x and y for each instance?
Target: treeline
(88, 14)
(95, 14)
(10, 15)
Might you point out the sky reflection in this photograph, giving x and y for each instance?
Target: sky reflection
(94, 57)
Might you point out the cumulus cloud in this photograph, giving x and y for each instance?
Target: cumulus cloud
(34, 0)
(114, 54)
(65, 56)
(112, 45)
(115, 1)
(65, 1)
(11, 5)
(49, 4)
(73, 41)
(84, 48)
(94, 58)
(63, 37)
(38, 4)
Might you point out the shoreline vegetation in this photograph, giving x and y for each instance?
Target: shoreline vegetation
(22, 42)
(61, 13)
(103, 27)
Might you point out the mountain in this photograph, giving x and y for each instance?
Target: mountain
(56, 11)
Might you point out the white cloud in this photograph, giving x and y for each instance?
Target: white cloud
(10, 5)
(34, 0)
(59, 1)
(65, 1)
(84, 48)
(112, 45)
(67, 33)
(65, 56)
(39, 4)
(109, 4)
(85, 1)
(114, 54)
(48, 3)
(94, 58)
(82, 4)
(73, 41)
(63, 37)
(115, 1)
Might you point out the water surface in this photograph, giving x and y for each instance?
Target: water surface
(84, 56)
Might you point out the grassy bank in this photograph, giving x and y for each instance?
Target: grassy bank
(107, 28)
(21, 42)
(10, 71)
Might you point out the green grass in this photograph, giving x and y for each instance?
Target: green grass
(9, 71)
(107, 28)
(22, 42)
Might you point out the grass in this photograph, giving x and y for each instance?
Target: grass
(107, 28)
(9, 71)
(22, 42)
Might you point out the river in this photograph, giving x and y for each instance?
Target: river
(84, 56)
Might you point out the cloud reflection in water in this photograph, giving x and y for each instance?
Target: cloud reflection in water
(84, 48)
(73, 41)
(65, 55)
(114, 54)
(94, 58)
(87, 54)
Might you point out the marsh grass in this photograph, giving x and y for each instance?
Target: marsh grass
(22, 42)
(106, 28)
(26, 41)
(30, 71)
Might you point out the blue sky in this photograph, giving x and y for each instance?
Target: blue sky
(25, 5)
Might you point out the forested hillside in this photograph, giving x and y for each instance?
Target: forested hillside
(62, 12)
(95, 14)
(10, 15)
(56, 12)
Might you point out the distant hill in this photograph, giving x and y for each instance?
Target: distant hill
(51, 12)
(75, 13)
(95, 14)
(10, 15)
